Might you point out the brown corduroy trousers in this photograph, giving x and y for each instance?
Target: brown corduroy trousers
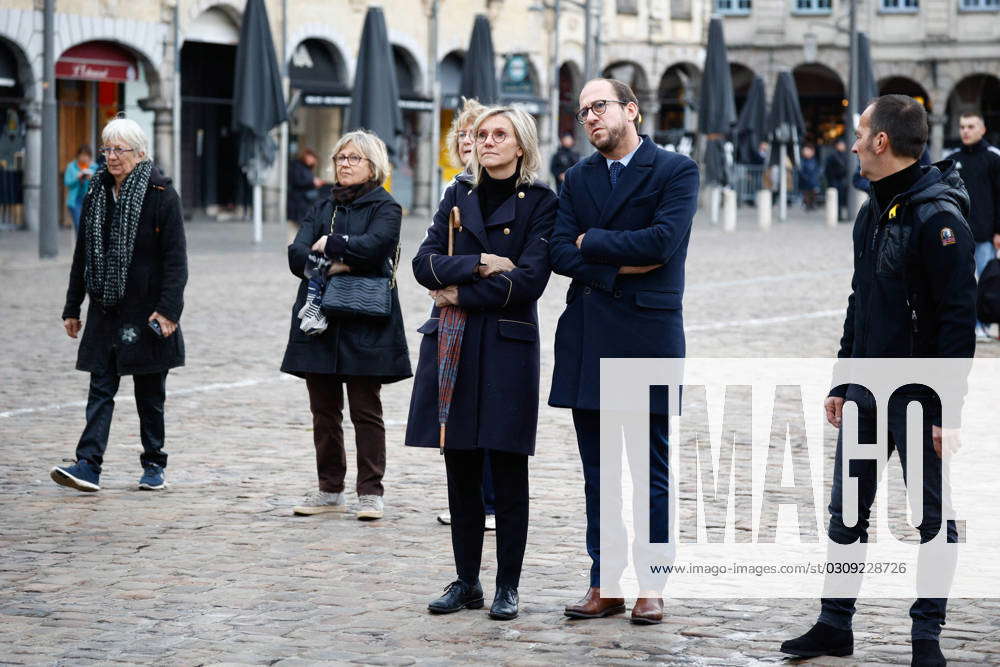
(326, 400)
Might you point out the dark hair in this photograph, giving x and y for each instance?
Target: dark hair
(85, 149)
(972, 114)
(904, 120)
(307, 152)
(624, 93)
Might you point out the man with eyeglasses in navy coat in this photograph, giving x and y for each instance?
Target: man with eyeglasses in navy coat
(621, 234)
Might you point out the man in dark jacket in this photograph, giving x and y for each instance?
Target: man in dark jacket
(835, 172)
(563, 159)
(913, 295)
(979, 164)
(621, 234)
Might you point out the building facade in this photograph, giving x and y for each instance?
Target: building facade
(169, 65)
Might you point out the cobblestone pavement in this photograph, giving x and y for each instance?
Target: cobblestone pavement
(217, 570)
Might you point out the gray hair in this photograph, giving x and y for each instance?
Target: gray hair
(129, 133)
(527, 139)
(371, 147)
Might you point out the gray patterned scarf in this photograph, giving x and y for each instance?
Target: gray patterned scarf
(106, 269)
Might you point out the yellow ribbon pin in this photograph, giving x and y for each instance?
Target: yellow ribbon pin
(892, 211)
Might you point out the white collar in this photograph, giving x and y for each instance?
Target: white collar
(628, 158)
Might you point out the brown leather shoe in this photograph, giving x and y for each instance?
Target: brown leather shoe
(594, 606)
(647, 611)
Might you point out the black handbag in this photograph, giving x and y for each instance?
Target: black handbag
(346, 295)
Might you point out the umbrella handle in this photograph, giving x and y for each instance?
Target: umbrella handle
(441, 440)
(454, 221)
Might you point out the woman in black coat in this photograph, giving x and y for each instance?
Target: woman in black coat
(131, 261)
(357, 232)
(498, 272)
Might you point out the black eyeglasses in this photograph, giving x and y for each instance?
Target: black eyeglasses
(598, 107)
(353, 160)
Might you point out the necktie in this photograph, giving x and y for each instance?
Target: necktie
(615, 170)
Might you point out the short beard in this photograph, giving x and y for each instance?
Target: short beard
(615, 137)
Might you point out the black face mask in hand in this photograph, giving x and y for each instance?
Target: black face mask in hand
(316, 266)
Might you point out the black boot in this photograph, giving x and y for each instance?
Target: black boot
(504, 603)
(458, 595)
(927, 653)
(822, 639)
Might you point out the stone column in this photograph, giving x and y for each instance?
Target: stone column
(937, 121)
(33, 167)
(649, 106)
(424, 201)
(163, 139)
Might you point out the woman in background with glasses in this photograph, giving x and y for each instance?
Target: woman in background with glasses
(131, 262)
(497, 273)
(356, 231)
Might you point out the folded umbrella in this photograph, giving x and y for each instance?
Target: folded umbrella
(451, 329)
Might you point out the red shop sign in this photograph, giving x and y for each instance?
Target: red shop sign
(97, 61)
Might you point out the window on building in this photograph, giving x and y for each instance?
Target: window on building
(980, 5)
(628, 6)
(733, 6)
(900, 5)
(813, 6)
(680, 9)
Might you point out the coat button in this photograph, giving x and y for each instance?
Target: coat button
(506, 231)
(520, 195)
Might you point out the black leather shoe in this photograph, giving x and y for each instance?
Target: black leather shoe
(504, 603)
(822, 639)
(927, 653)
(458, 595)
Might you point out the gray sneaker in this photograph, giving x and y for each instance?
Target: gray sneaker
(369, 508)
(318, 502)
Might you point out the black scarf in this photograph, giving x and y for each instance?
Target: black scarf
(111, 234)
(346, 194)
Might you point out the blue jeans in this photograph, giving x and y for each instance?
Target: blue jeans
(927, 614)
(75, 211)
(150, 394)
(984, 253)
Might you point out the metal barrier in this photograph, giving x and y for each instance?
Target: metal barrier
(747, 180)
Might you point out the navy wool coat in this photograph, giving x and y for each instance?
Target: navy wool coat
(495, 403)
(645, 220)
(351, 346)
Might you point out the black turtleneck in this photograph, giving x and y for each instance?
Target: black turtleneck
(896, 184)
(493, 192)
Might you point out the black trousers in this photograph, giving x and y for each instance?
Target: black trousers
(150, 394)
(468, 514)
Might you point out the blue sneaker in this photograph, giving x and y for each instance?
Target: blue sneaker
(152, 478)
(80, 476)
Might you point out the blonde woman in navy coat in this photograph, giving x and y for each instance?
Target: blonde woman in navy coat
(498, 271)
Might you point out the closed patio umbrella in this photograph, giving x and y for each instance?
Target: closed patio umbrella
(258, 101)
(785, 127)
(479, 74)
(451, 330)
(717, 106)
(375, 101)
(752, 123)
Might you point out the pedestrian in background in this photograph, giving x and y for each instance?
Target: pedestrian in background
(357, 229)
(564, 158)
(809, 177)
(303, 186)
(621, 234)
(979, 164)
(835, 173)
(913, 295)
(131, 263)
(498, 271)
(77, 180)
(461, 144)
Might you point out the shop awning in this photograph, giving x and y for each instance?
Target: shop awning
(98, 61)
